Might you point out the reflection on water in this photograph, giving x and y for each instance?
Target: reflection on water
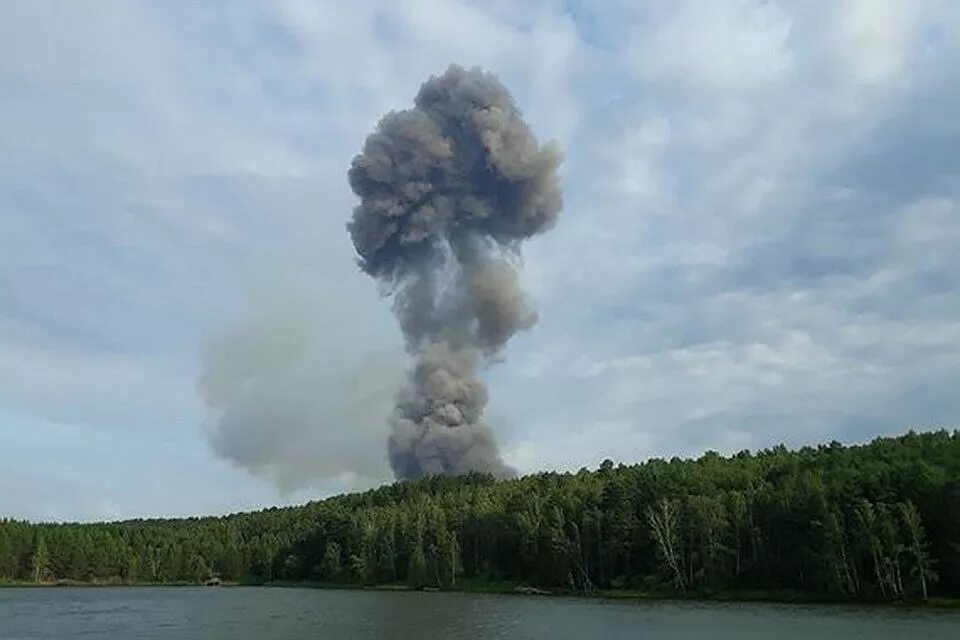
(258, 613)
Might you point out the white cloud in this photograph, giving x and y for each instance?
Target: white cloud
(63, 383)
(756, 246)
(874, 38)
(715, 46)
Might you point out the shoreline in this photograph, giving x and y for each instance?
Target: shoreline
(784, 597)
(781, 597)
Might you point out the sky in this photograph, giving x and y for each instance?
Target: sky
(759, 241)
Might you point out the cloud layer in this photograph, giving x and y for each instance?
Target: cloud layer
(762, 213)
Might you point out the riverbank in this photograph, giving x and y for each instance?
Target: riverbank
(780, 596)
(20, 584)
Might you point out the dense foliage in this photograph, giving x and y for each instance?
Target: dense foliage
(874, 521)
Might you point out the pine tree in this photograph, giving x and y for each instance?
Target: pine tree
(40, 564)
(417, 569)
(331, 568)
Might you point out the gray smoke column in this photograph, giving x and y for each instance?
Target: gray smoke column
(448, 191)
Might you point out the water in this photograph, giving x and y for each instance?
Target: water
(275, 614)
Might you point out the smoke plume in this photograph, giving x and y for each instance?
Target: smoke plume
(448, 191)
(297, 388)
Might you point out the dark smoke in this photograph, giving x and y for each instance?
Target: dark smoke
(448, 191)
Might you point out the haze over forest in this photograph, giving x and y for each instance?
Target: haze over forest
(761, 213)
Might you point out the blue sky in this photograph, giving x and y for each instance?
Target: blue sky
(759, 241)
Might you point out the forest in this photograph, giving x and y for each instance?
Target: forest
(879, 521)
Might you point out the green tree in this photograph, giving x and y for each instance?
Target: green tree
(417, 569)
(871, 521)
(231, 565)
(664, 521)
(917, 547)
(359, 569)
(40, 564)
(7, 564)
(332, 566)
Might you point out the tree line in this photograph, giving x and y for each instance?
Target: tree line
(876, 521)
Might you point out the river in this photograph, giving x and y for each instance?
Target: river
(276, 614)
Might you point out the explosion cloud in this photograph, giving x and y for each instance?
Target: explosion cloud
(281, 382)
(448, 191)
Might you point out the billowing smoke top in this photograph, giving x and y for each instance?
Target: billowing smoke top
(448, 190)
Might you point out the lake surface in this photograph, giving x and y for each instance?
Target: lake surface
(276, 614)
